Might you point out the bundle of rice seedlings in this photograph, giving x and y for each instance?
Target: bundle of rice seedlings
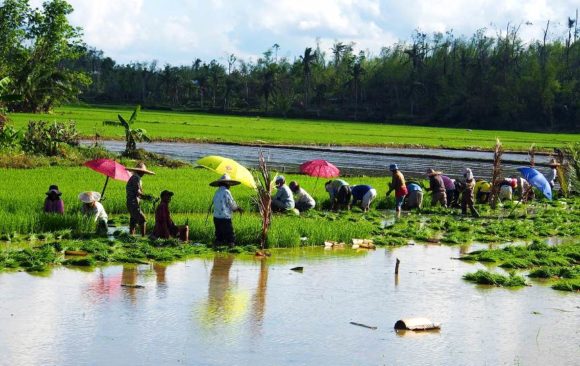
(264, 198)
(496, 176)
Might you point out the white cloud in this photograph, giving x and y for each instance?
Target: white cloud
(179, 31)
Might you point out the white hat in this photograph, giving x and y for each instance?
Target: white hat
(468, 174)
(90, 197)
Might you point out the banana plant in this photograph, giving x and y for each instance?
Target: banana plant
(132, 135)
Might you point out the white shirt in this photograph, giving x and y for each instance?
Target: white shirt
(223, 204)
(97, 211)
(303, 197)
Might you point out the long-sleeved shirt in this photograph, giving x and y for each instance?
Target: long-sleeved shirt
(97, 211)
(436, 184)
(553, 176)
(334, 186)
(54, 206)
(134, 189)
(359, 191)
(302, 197)
(223, 204)
(284, 195)
(164, 226)
(414, 187)
(448, 183)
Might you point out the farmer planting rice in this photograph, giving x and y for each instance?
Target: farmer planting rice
(398, 185)
(364, 194)
(339, 192)
(283, 200)
(165, 228)
(53, 203)
(553, 176)
(482, 191)
(134, 191)
(467, 195)
(437, 188)
(303, 201)
(451, 193)
(415, 197)
(223, 208)
(93, 208)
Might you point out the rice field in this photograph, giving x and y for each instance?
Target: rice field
(173, 126)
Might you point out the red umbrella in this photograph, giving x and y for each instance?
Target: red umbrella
(319, 168)
(111, 169)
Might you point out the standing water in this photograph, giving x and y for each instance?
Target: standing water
(231, 310)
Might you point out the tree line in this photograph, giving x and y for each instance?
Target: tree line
(480, 81)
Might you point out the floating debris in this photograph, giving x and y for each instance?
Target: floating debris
(297, 269)
(132, 286)
(364, 325)
(416, 324)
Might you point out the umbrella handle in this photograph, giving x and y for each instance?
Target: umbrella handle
(105, 187)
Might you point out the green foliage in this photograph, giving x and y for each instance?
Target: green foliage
(495, 279)
(132, 135)
(173, 126)
(567, 285)
(34, 47)
(45, 138)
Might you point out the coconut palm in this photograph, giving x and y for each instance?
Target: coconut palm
(307, 61)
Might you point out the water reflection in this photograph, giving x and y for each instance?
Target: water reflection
(129, 280)
(259, 298)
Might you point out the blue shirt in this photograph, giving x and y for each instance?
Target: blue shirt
(223, 204)
(414, 187)
(358, 192)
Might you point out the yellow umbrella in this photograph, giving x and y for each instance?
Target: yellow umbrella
(222, 165)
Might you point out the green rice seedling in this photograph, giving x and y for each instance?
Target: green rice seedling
(488, 278)
(567, 285)
(559, 272)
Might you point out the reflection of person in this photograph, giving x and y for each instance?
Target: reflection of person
(303, 200)
(92, 207)
(398, 185)
(339, 192)
(415, 197)
(53, 203)
(164, 225)
(364, 194)
(437, 188)
(283, 200)
(223, 208)
(134, 190)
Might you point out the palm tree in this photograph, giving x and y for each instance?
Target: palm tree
(307, 62)
(132, 135)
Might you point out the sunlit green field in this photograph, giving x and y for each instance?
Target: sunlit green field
(215, 128)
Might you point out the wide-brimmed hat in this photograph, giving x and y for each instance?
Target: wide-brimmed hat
(90, 197)
(53, 189)
(224, 180)
(430, 172)
(393, 167)
(553, 162)
(141, 168)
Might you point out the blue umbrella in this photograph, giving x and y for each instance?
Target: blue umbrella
(537, 179)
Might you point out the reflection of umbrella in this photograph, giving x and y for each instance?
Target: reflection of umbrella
(537, 179)
(110, 168)
(319, 168)
(223, 165)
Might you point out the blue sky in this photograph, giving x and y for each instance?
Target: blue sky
(178, 31)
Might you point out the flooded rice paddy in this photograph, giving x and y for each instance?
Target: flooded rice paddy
(351, 160)
(242, 311)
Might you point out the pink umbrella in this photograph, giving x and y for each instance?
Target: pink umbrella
(111, 169)
(319, 168)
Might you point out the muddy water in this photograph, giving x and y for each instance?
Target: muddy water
(228, 310)
(351, 160)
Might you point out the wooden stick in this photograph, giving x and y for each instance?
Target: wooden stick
(397, 266)
(363, 325)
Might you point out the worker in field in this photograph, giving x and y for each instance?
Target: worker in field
(398, 185)
(134, 195)
(165, 228)
(414, 198)
(437, 188)
(553, 176)
(364, 194)
(506, 188)
(283, 200)
(482, 190)
(451, 193)
(53, 202)
(302, 200)
(467, 187)
(339, 192)
(93, 208)
(224, 207)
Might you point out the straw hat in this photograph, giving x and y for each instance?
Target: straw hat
(90, 197)
(553, 163)
(166, 193)
(393, 167)
(53, 189)
(224, 180)
(430, 172)
(141, 168)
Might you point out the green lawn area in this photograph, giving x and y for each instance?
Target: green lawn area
(166, 125)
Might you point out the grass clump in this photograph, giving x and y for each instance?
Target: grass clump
(488, 278)
(567, 285)
(556, 272)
